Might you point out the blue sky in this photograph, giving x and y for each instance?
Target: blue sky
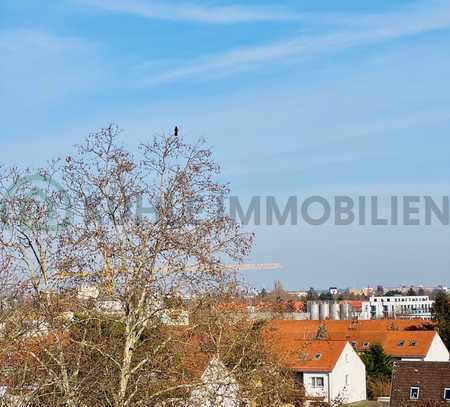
(295, 97)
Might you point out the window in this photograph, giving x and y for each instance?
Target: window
(317, 356)
(413, 343)
(366, 344)
(414, 393)
(401, 343)
(317, 382)
(447, 393)
(347, 380)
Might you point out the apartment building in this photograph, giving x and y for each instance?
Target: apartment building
(418, 306)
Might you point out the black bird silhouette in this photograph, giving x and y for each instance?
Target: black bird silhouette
(175, 131)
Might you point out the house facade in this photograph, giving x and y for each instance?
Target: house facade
(418, 306)
(328, 370)
(344, 379)
(420, 383)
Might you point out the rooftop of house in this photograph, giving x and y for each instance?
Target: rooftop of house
(431, 378)
(380, 325)
(397, 342)
(307, 356)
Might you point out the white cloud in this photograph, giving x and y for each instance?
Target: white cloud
(359, 32)
(193, 12)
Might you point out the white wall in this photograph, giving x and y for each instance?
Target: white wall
(349, 364)
(418, 306)
(316, 392)
(437, 352)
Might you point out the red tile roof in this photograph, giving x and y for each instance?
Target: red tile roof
(307, 356)
(396, 343)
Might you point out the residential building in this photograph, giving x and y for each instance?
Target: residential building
(401, 345)
(365, 291)
(402, 339)
(328, 370)
(401, 307)
(415, 382)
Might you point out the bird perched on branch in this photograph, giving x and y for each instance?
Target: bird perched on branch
(175, 131)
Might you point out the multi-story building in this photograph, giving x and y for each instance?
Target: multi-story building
(418, 306)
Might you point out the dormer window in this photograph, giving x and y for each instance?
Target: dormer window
(414, 393)
(413, 343)
(447, 394)
(401, 343)
(317, 356)
(366, 344)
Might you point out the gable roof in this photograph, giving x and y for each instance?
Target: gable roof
(408, 344)
(305, 355)
(396, 343)
(431, 377)
(379, 325)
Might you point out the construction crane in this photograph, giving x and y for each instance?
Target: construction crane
(107, 271)
(254, 266)
(232, 267)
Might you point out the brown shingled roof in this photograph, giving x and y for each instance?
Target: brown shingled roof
(432, 378)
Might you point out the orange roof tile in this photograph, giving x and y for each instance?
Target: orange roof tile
(396, 343)
(383, 325)
(307, 356)
(408, 344)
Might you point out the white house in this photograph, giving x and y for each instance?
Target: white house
(417, 306)
(437, 351)
(330, 370)
(401, 345)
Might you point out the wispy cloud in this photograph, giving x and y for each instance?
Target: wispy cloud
(40, 66)
(193, 12)
(362, 31)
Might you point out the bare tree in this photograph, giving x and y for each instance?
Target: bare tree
(148, 231)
